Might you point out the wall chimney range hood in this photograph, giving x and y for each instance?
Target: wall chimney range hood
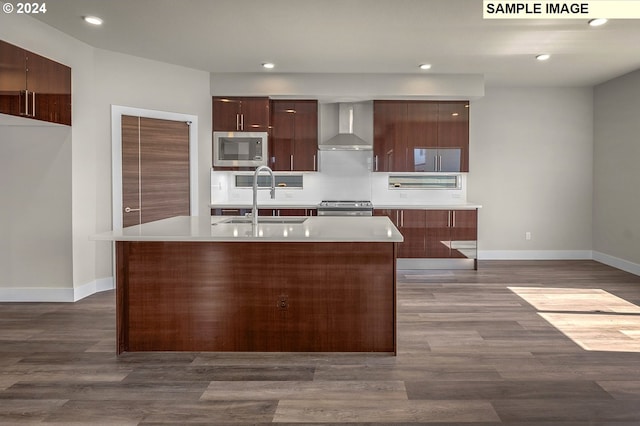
(345, 140)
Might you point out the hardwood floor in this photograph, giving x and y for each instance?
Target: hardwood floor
(474, 348)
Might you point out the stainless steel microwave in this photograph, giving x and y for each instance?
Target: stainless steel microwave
(240, 149)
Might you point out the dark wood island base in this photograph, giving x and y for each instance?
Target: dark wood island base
(256, 296)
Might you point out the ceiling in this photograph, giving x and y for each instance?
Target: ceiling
(355, 36)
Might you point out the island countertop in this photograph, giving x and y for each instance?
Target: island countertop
(274, 229)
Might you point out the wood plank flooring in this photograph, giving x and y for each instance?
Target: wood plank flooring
(474, 348)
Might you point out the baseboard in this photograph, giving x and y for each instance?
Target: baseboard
(404, 263)
(101, 284)
(40, 294)
(535, 254)
(616, 262)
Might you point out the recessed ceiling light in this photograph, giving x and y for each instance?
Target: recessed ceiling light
(425, 66)
(268, 65)
(543, 57)
(597, 22)
(93, 20)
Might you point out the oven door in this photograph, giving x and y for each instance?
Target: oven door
(239, 149)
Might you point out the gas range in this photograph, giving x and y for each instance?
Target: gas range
(345, 208)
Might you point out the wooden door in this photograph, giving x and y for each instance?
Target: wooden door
(453, 135)
(49, 86)
(155, 169)
(464, 233)
(226, 114)
(305, 141)
(389, 136)
(422, 136)
(254, 114)
(13, 79)
(282, 134)
(438, 234)
(412, 228)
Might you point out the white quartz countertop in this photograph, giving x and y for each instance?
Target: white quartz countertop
(384, 205)
(422, 206)
(218, 228)
(269, 204)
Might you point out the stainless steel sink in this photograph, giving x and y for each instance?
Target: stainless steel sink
(265, 220)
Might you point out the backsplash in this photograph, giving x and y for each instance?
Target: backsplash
(343, 175)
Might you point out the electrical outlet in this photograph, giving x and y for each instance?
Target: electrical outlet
(527, 235)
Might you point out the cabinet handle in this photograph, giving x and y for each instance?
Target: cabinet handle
(453, 213)
(376, 166)
(315, 166)
(241, 121)
(33, 104)
(402, 218)
(440, 163)
(449, 219)
(237, 121)
(435, 163)
(129, 210)
(26, 102)
(291, 162)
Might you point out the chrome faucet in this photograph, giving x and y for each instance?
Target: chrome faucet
(254, 210)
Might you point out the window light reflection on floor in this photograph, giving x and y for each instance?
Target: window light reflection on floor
(594, 319)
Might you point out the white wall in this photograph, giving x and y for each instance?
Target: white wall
(76, 170)
(531, 156)
(136, 82)
(35, 218)
(99, 79)
(616, 208)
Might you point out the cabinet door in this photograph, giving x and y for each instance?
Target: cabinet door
(422, 136)
(13, 79)
(293, 212)
(281, 135)
(226, 114)
(464, 233)
(438, 234)
(305, 141)
(389, 136)
(453, 136)
(412, 227)
(49, 86)
(254, 114)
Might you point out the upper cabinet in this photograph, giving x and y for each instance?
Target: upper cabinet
(421, 136)
(293, 138)
(33, 86)
(245, 114)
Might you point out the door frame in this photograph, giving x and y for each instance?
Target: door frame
(117, 112)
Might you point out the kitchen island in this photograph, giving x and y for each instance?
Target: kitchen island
(295, 284)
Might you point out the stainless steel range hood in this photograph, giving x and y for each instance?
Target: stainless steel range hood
(346, 139)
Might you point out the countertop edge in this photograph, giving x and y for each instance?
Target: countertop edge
(465, 206)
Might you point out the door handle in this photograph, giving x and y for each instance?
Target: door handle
(129, 210)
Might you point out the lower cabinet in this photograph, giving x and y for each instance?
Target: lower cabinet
(435, 234)
(263, 212)
(287, 212)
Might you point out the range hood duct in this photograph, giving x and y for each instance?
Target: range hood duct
(345, 140)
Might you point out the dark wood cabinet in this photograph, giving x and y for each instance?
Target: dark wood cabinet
(421, 136)
(247, 114)
(389, 135)
(33, 86)
(293, 139)
(287, 212)
(435, 234)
